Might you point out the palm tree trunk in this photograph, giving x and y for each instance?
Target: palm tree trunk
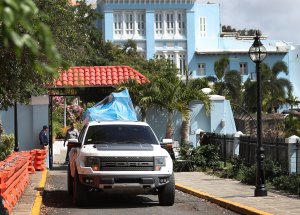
(185, 127)
(1, 129)
(169, 131)
(143, 112)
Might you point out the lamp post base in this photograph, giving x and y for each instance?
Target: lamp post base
(260, 192)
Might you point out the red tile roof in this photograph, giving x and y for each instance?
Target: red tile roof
(87, 76)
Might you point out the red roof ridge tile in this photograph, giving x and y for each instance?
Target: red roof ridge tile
(86, 76)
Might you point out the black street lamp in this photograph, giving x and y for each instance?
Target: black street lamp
(258, 53)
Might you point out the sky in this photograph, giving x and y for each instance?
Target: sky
(277, 19)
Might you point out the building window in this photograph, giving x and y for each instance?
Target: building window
(182, 64)
(118, 23)
(202, 27)
(171, 58)
(140, 19)
(129, 23)
(201, 69)
(170, 23)
(158, 23)
(243, 68)
(159, 56)
(181, 23)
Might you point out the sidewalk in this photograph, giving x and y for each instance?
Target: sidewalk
(233, 194)
(228, 193)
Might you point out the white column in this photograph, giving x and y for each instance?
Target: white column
(292, 153)
(175, 22)
(176, 59)
(164, 23)
(123, 23)
(135, 24)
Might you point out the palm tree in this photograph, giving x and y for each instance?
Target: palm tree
(227, 83)
(1, 129)
(190, 91)
(167, 99)
(220, 68)
(292, 100)
(233, 86)
(142, 95)
(274, 88)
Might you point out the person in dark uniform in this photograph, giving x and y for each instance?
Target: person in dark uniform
(44, 141)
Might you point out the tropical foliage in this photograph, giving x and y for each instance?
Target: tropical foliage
(28, 55)
(190, 90)
(73, 29)
(73, 114)
(227, 82)
(168, 91)
(274, 88)
(6, 145)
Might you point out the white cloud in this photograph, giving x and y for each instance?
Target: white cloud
(277, 19)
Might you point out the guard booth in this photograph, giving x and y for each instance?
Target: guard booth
(90, 84)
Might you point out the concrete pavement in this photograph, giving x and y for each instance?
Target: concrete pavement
(235, 195)
(228, 193)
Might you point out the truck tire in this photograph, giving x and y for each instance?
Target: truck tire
(70, 181)
(166, 194)
(79, 192)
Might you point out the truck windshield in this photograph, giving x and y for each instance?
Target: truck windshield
(120, 134)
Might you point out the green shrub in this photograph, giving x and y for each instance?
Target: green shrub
(201, 157)
(183, 166)
(272, 169)
(292, 125)
(289, 183)
(234, 169)
(6, 145)
(57, 130)
(206, 156)
(248, 174)
(184, 163)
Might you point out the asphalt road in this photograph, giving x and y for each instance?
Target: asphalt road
(57, 201)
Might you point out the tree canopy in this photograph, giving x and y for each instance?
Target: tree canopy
(241, 32)
(73, 28)
(28, 55)
(275, 89)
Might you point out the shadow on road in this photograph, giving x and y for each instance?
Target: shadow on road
(61, 199)
(59, 167)
(55, 194)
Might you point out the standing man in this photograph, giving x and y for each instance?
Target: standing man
(44, 141)
(72, 133)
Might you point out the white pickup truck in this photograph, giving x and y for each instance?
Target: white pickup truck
(119, 156)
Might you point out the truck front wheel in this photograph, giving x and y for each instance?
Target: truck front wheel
(166, 194)
(70, 181)
(80, 192)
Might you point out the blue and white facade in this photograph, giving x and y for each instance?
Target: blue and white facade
(188, 32)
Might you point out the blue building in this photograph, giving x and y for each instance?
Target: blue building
(188, 32)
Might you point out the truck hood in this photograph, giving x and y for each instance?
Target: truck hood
(125, 147)
(124, 150)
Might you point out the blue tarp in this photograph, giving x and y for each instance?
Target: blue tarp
(116, 106)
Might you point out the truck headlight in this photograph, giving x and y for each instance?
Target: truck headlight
(159, 162)
(93, 162)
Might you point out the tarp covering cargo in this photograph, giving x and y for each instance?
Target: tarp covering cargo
(116, 106)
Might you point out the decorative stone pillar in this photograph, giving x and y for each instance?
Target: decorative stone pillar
(293, 153)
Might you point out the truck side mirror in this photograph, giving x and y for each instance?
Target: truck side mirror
(166, 143)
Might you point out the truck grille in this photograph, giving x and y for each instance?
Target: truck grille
(126, 163)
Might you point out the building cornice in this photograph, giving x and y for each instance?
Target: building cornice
(224, 52)
(147, 1)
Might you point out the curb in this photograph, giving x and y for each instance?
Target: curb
(35, 210)
(233, 206)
